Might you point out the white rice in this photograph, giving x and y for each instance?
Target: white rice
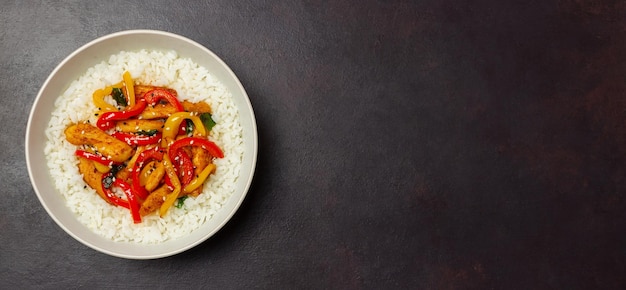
(193, 83)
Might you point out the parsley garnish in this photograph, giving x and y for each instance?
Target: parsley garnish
(147, 133)
(180, 201)
(118, 96)
(189, 127)
(207, 120)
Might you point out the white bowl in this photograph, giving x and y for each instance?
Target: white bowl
(77, 64)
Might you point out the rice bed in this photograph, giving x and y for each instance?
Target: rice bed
(160, 68)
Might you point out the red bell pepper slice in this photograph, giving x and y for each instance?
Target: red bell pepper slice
(185, 167)
(137, 139)
(169, 182)
(95, 157)
(182, 130)
(211, 147)
(106, 120)
(142, 159)
(156, 95)
(132, 199)
(114, 199)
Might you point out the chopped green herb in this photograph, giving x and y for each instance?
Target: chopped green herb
(118, 96)
(147, 133)
(180, 201)
(189, 127)
(207, 120)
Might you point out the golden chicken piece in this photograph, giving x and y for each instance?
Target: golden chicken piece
(154, 200)
(154, 179)
(108, 146)
(136, 125)
(158, 111)
(124, 174)
(199, 107)
(91, 176)
(200, 159)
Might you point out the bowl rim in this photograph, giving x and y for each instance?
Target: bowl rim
(247, 106)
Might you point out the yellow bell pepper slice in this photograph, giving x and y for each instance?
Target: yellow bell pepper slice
(99, 95)
(101, 167)
(98, 99)
(170, 128)
(171, 173)
(131, 162)
(130, 90)
(198, 181)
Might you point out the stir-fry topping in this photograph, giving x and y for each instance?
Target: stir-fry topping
(148, 150)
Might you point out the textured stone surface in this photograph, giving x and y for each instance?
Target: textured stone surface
(403, 144)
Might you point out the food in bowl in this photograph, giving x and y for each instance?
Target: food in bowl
(96, 191)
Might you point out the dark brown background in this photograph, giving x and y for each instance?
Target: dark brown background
(403, 144)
